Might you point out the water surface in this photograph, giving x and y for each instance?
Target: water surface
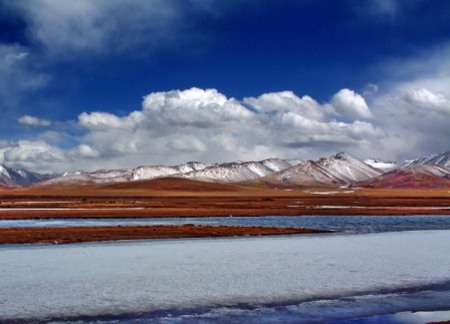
(263, 279)
(348, 224)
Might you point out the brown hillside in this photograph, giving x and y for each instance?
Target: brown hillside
(172, 184)
(407, 179)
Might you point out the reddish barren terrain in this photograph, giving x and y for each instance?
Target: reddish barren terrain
(171, 197)
(95, 234)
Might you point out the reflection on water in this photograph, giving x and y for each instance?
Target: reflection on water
(349, 224)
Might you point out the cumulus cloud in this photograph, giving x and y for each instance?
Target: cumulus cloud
(204, 124)
(285, 101)
(32, 155)
(33, 121)
(416, 120)
(413, 105)
(405, 116)
(193, 107)
(351, 104)
(86, 151)
(106, 121)
(427, 99)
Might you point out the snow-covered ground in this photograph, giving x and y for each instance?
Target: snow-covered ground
(42, 282)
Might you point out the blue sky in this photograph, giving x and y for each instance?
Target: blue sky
(93, 84)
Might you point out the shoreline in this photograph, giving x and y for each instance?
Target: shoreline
(170, 212)
(60, 235)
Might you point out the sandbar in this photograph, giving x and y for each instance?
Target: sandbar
(113, 233)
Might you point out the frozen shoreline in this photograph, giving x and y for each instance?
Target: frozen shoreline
(42, 282)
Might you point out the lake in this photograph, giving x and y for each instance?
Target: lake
(259, 279)
(347, 224)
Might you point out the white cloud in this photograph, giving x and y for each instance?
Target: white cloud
(427, 99)
(193, 107)
(33, 121)
(33, 155)
(67, 29)
(350, 104)
(205, 125)
(406, 115)
(84, 150)
(416, 120)
(413, 106)
(106, 121)
(18, 75)
(287, 101)
(188, 143)
(370, 89)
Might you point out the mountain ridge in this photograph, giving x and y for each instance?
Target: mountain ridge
(338, 170)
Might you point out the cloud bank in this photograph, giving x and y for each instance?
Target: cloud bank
(405, 116)
(203, 124)
(404, 113)
(33, 155)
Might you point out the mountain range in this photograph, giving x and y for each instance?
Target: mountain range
(339, 170)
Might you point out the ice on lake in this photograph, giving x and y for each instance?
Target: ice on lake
(47, 282)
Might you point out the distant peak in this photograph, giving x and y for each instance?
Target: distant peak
(342, 156)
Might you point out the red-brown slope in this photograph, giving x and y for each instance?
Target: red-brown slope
(5, 187)
(96, 234)
(172, 184)
(415, 177)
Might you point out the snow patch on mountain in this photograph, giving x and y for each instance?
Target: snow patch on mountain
(151, 172)
(4, 172)
(239, 171)
(345, 167)
(339, 169)
(11, 177)
(381, 165)
(442, 159)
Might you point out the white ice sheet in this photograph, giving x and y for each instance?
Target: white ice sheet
(123, 277)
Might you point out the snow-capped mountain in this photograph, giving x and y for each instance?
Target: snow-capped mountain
(226, 172)
(381, 165)
(151, 171)
(238, 171)
(87, 178)
(20, 177)
(442, 159)
(122, 175)
(339, 169)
